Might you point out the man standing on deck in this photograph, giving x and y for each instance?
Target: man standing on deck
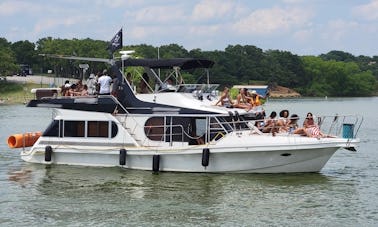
(104, 81)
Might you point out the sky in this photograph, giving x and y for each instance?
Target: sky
(303, 27)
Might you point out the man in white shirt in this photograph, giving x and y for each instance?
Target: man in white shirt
(104, 81)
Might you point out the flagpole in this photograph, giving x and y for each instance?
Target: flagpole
(158, 52)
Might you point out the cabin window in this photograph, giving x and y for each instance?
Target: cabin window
(98, 128)
(154, 128)
(101, 129)
(52, 130)
(74, 128)
(114, 129)
(78, 128)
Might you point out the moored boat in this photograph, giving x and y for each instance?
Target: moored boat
(176, 142)
(176, 131)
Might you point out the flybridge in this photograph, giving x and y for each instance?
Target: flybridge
(126, 99)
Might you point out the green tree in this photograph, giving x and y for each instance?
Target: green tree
(338, 56)
(286, 68)
(360, 84)
(24, 52)
(173, 51)
(8, 64)
(333, 78)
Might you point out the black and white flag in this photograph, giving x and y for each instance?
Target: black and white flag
(116, 42)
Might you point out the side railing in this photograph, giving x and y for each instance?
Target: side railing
(342, 126)
(345, 126)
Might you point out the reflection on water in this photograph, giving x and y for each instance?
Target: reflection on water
(96, 195)
(21, 176)
(343, 194)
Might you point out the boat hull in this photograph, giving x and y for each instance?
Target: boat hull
(191, 160)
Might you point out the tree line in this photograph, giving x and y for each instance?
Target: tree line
(336, 73)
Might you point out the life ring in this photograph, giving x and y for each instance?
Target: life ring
(23, 140)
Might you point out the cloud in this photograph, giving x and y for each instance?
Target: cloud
(303, 35)
(270, 21)
(367, 11)
(337, 30)
(159, 15)
(113, 3)
(292, 1)
(137, 32)
(55, 22)
(212, 9)
(8, 8)
(205, 30)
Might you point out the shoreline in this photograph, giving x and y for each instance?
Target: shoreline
(283, 92)
(16, 98)
(29, 82)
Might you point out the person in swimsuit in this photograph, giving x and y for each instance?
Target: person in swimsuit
(225, 99)
(242, 100)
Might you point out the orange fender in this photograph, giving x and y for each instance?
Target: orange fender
(23, 140)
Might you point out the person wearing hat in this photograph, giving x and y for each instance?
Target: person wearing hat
(92, 84)
(255, 98)
(65, 87)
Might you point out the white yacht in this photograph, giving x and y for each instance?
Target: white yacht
(177, 142)
(172, 131)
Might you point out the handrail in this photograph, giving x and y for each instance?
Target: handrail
(118, 103)
(335, 123)
(215, 128)
(330, 124)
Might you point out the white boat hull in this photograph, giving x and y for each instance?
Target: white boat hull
(238, 151)
(221, 160)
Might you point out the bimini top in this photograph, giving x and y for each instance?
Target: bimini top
(182, 63)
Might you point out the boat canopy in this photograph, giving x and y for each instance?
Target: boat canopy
(182, 63)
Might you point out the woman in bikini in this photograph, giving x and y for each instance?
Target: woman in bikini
(225, 99)
(309, 129)
(242, 100)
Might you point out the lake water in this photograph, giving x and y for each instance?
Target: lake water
(344, 193)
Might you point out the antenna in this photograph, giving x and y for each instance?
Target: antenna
(125, 54)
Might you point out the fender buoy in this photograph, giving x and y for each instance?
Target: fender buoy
(48, 153)
(23, 140)
(156, 163)
(205, 157)
(122, 157)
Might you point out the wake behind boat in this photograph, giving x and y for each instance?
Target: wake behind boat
(177, 131)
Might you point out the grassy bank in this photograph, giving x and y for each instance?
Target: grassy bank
(15, 93)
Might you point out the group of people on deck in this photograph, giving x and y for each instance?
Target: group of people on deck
(76, 89)
(245, 99)
(290, 124)
(104, 84)
(284, 123)
(101, 84)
